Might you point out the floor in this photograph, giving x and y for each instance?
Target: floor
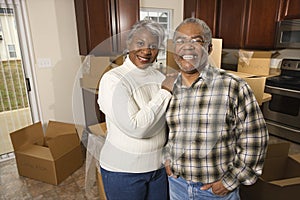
(14, 187)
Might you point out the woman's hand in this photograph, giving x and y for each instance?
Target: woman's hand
(168, 169)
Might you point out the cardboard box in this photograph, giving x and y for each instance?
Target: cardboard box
(257, 84)
(49, 157)
(98, 129)
(280, 178)
(102, 195)
(93, 69)
(96, 141)
(254, 62)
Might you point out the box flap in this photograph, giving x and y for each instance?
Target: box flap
(55, 128)
(98, 129)
(255, 62)
(295, 157)
(62, 144)
(278, 150)
(241, 74)
(286, 182)
(32, 134)
(35, 151)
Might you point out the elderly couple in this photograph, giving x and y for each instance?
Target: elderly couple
(198, 134)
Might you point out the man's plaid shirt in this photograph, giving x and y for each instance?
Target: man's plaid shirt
(216, 130)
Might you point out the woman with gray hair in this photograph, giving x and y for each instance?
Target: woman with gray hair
(134, 103)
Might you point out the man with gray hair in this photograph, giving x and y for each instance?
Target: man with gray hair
(217, 133)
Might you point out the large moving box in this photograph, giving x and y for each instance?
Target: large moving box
(49, 157)
(280, 178)
(257, 84)
(254, 62)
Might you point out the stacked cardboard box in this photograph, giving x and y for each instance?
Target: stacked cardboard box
(94, 67)
(254, 68)
(280, 178)
(49, 157)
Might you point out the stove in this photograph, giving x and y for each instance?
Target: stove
(282, 112)
(289, 77)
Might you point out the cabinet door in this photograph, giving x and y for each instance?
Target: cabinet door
(261, 24)
(93, 18)
(99, 20)
(231, 22)
(290, 9)
(202, 9)
(127, 13)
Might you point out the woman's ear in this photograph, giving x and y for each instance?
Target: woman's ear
(210, 48)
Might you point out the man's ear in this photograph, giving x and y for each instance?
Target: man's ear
(210, 48)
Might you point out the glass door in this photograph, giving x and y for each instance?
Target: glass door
(15, 89)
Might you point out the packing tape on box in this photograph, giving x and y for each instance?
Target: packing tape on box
(94, 146)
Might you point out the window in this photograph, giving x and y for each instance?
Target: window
(12, 51)
(163, 17)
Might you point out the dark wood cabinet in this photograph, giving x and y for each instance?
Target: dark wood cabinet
(248, 24)
(260, 26)
(100, 21)
(202, 9)
(290, 9)
(231, 22)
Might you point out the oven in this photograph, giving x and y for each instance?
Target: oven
(282, 112)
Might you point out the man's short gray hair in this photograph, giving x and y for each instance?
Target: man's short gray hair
(206, 29)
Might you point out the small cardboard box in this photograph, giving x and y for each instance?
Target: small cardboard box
(280, 178)
(50, 158)
(254, 62)
(256, 83)
(93, 69)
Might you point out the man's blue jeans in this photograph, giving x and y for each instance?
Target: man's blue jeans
(180, 189)
(135, 186)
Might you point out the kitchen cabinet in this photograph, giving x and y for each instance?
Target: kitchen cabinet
(290, 9)
(231, 22)
(260, 24)
(202, 9)
(248, 24)
(99, 20)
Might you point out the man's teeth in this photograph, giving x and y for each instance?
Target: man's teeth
(143, 59)
(188, 57)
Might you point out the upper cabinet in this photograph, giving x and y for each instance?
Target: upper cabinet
(202, 9)
(260, 25)
(249, 24)
(101, 25)
(231, 22)
(290, 9)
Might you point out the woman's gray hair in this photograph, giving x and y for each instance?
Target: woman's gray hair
(155, 28)
(206, 29)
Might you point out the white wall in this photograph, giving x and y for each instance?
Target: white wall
(54, 36)
(175, 5)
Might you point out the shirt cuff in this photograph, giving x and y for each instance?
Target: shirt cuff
(229, 182)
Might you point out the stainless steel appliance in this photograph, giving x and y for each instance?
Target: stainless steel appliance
(288, 34)
(282, 113)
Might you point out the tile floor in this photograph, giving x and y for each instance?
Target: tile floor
(14, 187)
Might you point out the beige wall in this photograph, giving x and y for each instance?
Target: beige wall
(54, 36)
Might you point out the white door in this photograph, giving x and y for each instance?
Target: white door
(18, 104)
